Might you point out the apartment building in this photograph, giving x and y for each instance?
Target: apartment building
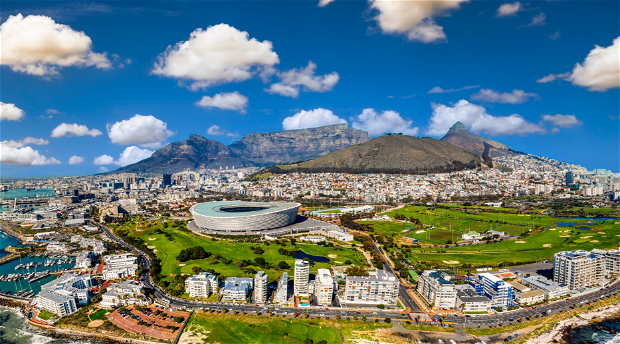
(57, 303)
(83, 260)
(468, 301)
(380, 287)
(438, 291)
(612, 261)
(551, 289)
(578, 269)
(114, 261)
(127, 293)
(202, 285)
(282, 291)
(260, 287)
(237, 289)
(497, 290)
(323, 287)
(72, 285)
(530, 297)
(301, 277)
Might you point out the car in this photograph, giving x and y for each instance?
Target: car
(440, 341)
(511, 319)
(452, 341)
(516, 335)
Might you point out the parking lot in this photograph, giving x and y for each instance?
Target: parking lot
(128, 321)
(543, 269)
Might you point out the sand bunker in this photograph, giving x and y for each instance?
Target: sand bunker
(95, 323)
(190, 337)
(150, 247)
(585, 237)
(602, 233)
(547, 245)
(451, 261)
(332, 255)
(594, 241)
(552, 229)
(564, 236)
(520, 242)
(337, 262)
(181, 264)
(154, 251)
(152, 239)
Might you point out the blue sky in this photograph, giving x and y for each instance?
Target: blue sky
(507, 74)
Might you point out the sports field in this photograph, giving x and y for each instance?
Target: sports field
(168, 250)
(261, 330)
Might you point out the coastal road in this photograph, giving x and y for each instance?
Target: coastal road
(145, 278)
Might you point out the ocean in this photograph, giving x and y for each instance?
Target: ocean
(607, 332)
(19, 193)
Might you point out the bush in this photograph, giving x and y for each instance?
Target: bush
(381, 306)
(348, 262)
(387, 320)
(259, 251)
(283, 265)
(197, 252)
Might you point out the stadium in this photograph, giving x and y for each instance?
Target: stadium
(236, 217)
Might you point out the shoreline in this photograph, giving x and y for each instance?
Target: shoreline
(561, 330)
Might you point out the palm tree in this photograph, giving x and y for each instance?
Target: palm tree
(306, 315)
(417, 319)
(337, 316)
(364, 318)
(355, 317)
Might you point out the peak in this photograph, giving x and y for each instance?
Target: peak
(458, 126)
(196, 137)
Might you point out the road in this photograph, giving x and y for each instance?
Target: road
(404, 296)
(159, 294)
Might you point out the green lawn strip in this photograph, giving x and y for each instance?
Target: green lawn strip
(98, 314)
(387, 227)
(45, 315)
(341, 256)
(429, 328)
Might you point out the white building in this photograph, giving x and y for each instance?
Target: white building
(55, 246)
(612, 260)
(551, 289)
(530, 297)
(468, 301)
(338, 235)
(578, 269)
(282, 291)
(260, 287)
(201, 285)
(127, 293)
(118, 273)
(380, 287)
(57, 303)
(437, 290)
(237, 289)
(83, 260)
(302, 274)
(313, 238)
(118, 266)
(499, 291)
(323, 287)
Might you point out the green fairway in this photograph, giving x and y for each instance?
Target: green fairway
(168, 250)
(532, 248)
(387, 227)
(262, 330)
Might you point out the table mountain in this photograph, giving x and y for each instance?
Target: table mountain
(459, 136)
(255, 149)
(392, 153)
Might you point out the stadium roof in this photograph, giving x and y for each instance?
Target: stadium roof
(240, 208)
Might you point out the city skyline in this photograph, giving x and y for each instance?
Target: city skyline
(132, 77)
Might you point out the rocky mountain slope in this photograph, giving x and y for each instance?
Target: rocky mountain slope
(459, 136)
(390, 154)
(255, 149)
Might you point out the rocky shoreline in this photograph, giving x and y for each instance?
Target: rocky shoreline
(561, 332)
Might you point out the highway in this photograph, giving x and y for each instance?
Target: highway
(159, 294)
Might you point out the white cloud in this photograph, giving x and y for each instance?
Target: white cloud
(219, 54)
(216, 130)
(562, 121)
(311, 119)
(477, 120)
(509, 9)
(555, 35)
(292, 80)
(25, 156)
(145, 131)
(102, 169)
(103, 160)
(37, 45)
(438, 89)
(76, 160)
(377, 124)
(537, 20)
(132, 155)
(52, 112)
(413, 18)
(27, 141)
(10, 112)
(600, 70)
(323, 3)
(225, 101)
(66, 129)
(515, 97)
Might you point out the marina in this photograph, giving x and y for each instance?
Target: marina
(23, 277)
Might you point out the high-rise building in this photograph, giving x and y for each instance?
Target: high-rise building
(167, 180)
(497, 290)
(437, 290)
(380, 287)
(302, 274)
(578, 269)
(323, 287)
(260, 287)
(570, 178)
(282, 291)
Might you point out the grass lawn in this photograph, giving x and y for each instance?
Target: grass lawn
(98, 314)
(389, 228)
(248, 329)
(45, 315)
(604, 236)
(168, 250)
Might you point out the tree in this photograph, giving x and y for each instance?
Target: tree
(356, 271)
(337, 316)
(259, 250)
(387, 320)
(381, 306)
(348, 262)
(283, 265)
(355, 317)
(322, 342)
(306, 315)
(308, 341)
(196, 269)
(364, 318)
